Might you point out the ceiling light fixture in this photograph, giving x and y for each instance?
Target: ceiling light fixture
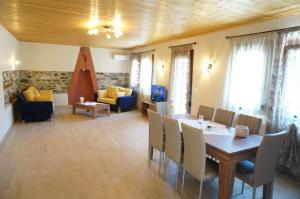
(93, 31)
(108, 30)
(112, 30)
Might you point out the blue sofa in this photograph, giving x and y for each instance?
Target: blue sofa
(34, 111)
(122, 104)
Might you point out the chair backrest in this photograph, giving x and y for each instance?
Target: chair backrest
(266, 156)
(194, 151)
(206, 111)
(162, 108)
(224, 117)
(172, 139)
(253, 123)
(156, 130)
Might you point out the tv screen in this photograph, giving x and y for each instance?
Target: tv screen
(158, 93)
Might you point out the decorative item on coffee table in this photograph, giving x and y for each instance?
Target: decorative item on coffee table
(94, 107)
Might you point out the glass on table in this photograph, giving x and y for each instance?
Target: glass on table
(200, 118)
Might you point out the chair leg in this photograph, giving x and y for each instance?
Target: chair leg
(177, 174)
(254, 193)
(200, 190)
(243, 185)
(165, 166)
(160, 157)
(182, 186)
(150, 154)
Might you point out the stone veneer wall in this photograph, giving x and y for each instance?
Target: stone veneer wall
(10, 85)
(112, 79)
(58, 81)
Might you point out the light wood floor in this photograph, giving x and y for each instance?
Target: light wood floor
(76, 157)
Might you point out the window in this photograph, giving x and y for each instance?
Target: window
(135, 71)
(146, 73)
(290, 106)
(181, 78)
(249, 75)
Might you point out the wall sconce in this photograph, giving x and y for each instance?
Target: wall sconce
(14, 63)
(17, 62)
(209, 67)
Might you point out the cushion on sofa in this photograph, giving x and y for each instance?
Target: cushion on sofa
(128, 91)
(120, 94)
(112, 92)
(34, 90)
(29, 95)
(46, 92)
(102, 93)
(107, 100)
(44, 98)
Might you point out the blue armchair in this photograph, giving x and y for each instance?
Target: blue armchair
(125, 103)
(34, 111)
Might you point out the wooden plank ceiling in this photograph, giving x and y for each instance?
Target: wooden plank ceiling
(143, 22)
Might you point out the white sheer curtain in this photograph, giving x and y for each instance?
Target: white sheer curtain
(249, 73)
(146, 73)
(180, 90)
(286, 106)
(135, 71)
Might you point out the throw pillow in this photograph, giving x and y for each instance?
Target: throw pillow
(128, 91)
(29, 95)
(112, 92)
(34, 90)
(102, 93)
(120, 94)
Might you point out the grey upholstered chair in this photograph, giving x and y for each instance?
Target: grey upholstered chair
(162, 107)
(173, 143)
(194, 160)
(224, 117)
(156, 135)
(253, 123)
(261, 172)
(206, 111)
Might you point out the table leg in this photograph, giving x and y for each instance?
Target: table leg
(226, 179)
(74, 109)
(94, 113)
(268, 191)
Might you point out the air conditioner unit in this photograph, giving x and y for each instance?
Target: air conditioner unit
(118, 57)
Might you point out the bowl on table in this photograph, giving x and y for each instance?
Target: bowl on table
(241, 131)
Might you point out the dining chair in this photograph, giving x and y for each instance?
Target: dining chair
(156, 136)
(253, 123)
(194, 160)
(162, 107)
(206, 111)
(173, 143)
(262, 171)
(224, 117)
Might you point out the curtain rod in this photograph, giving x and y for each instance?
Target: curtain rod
(275, 30)
(144, 51)
(183, 45)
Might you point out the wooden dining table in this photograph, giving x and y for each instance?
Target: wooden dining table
(229, 150)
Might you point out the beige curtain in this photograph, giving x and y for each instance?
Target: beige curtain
(283, 106)
(145, 77)
(180, 79)
(135, 71)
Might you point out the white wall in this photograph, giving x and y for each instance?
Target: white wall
(8, 53)
(208, 88)
(52, 57)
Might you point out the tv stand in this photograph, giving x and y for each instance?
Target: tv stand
(147, 104)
